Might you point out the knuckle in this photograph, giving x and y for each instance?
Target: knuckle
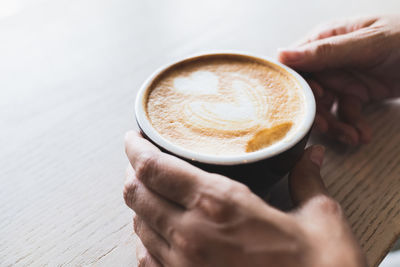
(145, 165)
(161, 222)
(221, 213)
(236, 193)
(191, 246)
(328, 204)
(216, 208)
(231, 189)
(219, 204)
(324, 49)
(241, 188)
(130, 192)
(170, 232)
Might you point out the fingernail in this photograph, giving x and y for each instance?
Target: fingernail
(290, 55)
(317, 154)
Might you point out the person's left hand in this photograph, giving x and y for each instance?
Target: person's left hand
(188, 217)
(349, 64)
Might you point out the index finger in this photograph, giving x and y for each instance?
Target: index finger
(334, 28)
(170, 177)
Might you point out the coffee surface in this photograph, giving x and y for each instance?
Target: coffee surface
(226, 105)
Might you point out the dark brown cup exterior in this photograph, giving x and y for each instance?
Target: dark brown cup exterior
(259, 176)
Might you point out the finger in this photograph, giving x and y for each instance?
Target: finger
(339, 130)
(322, 97)
(168, 176)
(148, 261)
(346, 50)
(376, 89)
(343, 82)
(308, 190)
(305, 180)
(320, 124)
(141, 251)
(321, 32)
(365, 131)
(327, 100)
(349, 110)
(152, 241)
(162, 215)
(353, 93)
(316, 88)
(337, 27)
(144, 258)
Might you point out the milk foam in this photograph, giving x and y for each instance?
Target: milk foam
(232, 116)
(199, 82)
(219, 106)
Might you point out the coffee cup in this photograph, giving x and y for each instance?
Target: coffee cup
(243, 116)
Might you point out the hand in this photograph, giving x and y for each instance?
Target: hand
(188, 217)
(352, 63)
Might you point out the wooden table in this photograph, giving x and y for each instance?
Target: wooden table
(69, 71)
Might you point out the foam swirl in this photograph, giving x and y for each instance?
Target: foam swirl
(238, 113)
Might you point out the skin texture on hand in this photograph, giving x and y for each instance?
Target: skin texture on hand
(188, 217)
(350, 62)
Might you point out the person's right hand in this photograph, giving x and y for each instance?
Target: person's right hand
(188, 217)
(352, 62)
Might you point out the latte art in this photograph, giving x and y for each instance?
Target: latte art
(238, 110)
(224, 106)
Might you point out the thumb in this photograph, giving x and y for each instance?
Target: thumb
(351, 49)
(305, 180)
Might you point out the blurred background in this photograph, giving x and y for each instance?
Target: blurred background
(69, 71)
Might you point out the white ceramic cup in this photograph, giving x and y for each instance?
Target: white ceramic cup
(259, 169)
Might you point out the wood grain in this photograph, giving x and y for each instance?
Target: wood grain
(69, 71)
(366, 181)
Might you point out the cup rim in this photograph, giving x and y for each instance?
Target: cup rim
(265, 153)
